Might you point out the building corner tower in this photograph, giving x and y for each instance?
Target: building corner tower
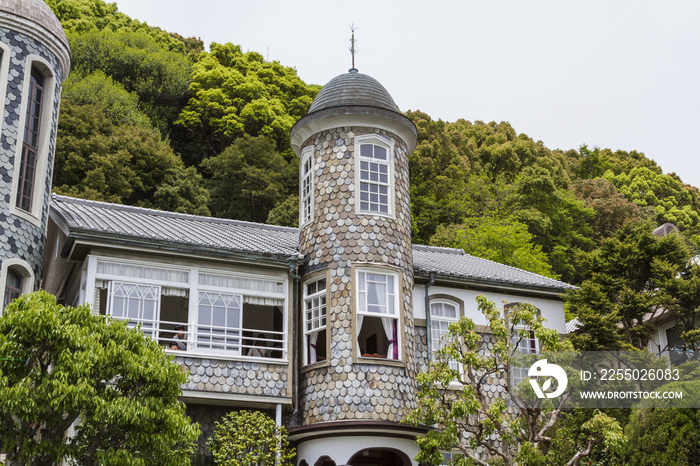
(34, 62)
(357, 377)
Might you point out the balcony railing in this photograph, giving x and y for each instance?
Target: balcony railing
(216, 341)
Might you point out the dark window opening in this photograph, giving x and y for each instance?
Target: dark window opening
(13, 286)
(30, 142)
(372, 338)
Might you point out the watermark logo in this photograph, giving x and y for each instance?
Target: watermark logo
(542, 368)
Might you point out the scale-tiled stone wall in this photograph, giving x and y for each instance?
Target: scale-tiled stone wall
(18, 237)
(336, 239)
(239, 377)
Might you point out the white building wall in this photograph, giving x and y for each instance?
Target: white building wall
(551, 309)
(341, 449)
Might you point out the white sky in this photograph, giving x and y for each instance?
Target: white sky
(614, 74)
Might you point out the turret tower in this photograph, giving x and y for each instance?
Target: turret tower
(34, 61)
(358, 369)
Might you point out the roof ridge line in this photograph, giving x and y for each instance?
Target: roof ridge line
(167, 214)
(446, 250)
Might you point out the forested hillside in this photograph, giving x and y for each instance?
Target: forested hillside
(150, 118)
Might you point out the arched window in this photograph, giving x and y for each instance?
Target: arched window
(30, 142)
(306, 188)
(375, 186)
(13, 286)
(442, 313)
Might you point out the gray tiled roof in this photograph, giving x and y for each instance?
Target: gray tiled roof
(191, 231)
(353, 89)
(155, 225)
(455, 263)
(38, 12)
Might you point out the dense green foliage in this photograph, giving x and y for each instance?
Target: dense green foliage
(235, 93)
(248, 179)
(626, 285)
(127, 164)
(668, 436)
(250, 438)
(55, 363)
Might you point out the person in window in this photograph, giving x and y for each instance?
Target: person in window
(259, 350)
(178, 342)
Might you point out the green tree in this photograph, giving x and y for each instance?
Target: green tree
(90, 15)
(285, 213)
(621, 294)
(248, 179)
(159, 77)
(99, 160)
(612, 209)
(119, 105)
(250, 438)
(671, 200)
(505, 241)
(555, 217)
(666, 435)
(680, 294)
(235, 93)
(63, 366)
(469, 418)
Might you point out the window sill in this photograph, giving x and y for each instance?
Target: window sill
(26, 215)
(380, 361)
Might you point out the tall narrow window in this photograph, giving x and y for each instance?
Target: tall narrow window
(315, 321)
(306, 187)
(377, 314)
(30, 143)
(524, 344)
(374, 179)
(442, 314)
(13, 286)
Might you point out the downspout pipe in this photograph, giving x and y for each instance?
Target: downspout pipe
(431, 281)
(294, 263)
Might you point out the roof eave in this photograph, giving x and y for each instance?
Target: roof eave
(86, 237)
(491, 283)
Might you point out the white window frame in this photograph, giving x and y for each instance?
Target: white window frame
(306, 186)
(526, 345)
(392, 307)
(225, 339)
(24, 269)
(387, 145)
(315, 317)
(148, 325)
(276, 343)
(42, 154)
(440, 330)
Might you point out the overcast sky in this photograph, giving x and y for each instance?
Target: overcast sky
(614, 74)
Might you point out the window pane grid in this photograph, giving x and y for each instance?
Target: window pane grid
(30, 142)
(442, 314)
(315, 306)
(306, 191)
(376, 294)
(374, 179)
(139, 304)
(219, 321)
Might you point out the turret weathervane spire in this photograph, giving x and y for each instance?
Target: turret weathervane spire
(353, 49)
